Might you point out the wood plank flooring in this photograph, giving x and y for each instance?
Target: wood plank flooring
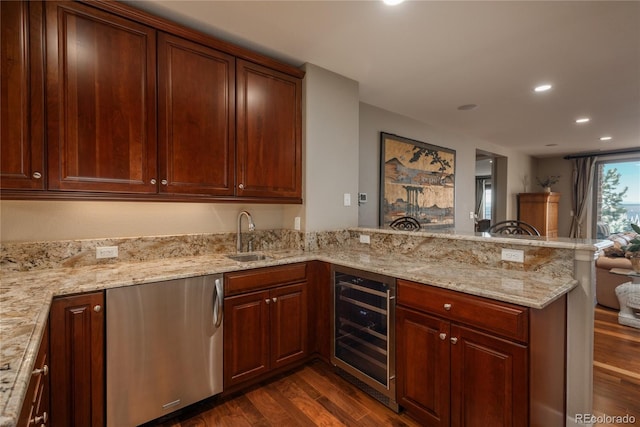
(310, 396)
(616, 367)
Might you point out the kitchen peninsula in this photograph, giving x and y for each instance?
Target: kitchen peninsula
(471, 264)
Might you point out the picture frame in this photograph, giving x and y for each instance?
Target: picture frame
(416, 180)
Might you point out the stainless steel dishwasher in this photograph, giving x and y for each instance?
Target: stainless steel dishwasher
(164, 347)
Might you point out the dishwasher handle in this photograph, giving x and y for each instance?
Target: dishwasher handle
(217, 303)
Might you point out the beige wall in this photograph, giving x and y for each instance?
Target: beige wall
(374, 120)
(331, 149)
(61, 220)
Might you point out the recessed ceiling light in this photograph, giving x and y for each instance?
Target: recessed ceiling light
(392, 2)
(583, 120)
(467, 107)
(605, 138)
(542, 88)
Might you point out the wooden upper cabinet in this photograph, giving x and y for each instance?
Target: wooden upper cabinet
(269, 132)
(22, 96)
(101, 89)
(196, 110)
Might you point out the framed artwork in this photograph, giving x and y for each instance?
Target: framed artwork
(416, 180)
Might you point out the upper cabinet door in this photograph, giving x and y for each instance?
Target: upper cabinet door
(22, 96)
(269, 132)
(101, 89)
(196, 110)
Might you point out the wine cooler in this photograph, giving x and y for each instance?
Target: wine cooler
(363, 331)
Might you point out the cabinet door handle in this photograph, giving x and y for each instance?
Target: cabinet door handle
(97, 308)
(40, 419)
(443, 336)
(241, 186)
(42, 371)
(447, 307)
(153, 181)
(454, 340)
(164, 182)
(37, 175)
(268, 301)
(274, 299)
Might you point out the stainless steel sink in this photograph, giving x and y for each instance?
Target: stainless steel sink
(248, 257)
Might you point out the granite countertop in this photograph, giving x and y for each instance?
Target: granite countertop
(25, 297)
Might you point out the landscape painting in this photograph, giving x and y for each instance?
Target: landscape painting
(416, 180)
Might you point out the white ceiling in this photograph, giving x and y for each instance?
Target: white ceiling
(423, 59)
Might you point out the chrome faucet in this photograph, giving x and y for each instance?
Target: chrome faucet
(252, 227)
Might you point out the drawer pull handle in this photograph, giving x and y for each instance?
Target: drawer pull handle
(275, 299)
(454, 340)
(42, 371)
(443, 336)
(40, 419)
(447, 307)
(37, 175)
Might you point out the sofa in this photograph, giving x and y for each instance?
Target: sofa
(612, 257)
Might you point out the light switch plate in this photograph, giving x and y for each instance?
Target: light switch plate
(296, 223)
(347, 199)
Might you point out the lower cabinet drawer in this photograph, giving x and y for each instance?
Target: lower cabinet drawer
(35, 409)
(263, 278)
(507, 320)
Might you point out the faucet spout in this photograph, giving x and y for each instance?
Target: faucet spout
(252, 227)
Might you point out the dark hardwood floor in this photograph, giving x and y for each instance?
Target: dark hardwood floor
(315, 396)
(616, 367)
(310, 396)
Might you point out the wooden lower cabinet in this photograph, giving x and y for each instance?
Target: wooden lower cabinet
(423, 362)
(77, 361)
(489, 380)
(265, 329)
(451, 372)
(36, 408)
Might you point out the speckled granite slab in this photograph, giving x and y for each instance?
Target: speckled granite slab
(33, 273)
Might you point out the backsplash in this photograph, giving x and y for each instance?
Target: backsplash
(539, 257)
(77, 253)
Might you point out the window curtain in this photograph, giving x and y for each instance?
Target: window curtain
(480, 184)
(479, 195)
(583, 177)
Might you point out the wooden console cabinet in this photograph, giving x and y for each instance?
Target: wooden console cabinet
(265, 325)
(466, 360)
(541, 211)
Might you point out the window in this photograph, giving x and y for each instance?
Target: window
(487, 201)
(617, 197)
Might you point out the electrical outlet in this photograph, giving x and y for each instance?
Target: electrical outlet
(472, 215)
(296, 223)
(513, 255)
(365, 238)
(107, 252)
(347, 199)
